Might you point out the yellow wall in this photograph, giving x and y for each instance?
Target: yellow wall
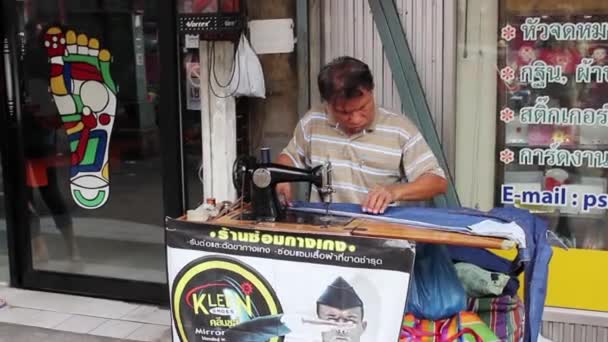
(577, 279)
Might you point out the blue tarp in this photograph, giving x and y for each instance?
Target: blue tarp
(423, 217)
(532, 260)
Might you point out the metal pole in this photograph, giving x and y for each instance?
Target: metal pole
(413, 99)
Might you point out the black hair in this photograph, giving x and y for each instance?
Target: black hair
(344, 78)
(340, 295)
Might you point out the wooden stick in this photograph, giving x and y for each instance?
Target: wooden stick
(373, 229)
(378, 229)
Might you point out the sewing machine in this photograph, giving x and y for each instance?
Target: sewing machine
(256, 181)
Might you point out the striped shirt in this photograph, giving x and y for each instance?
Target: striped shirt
(389, 151)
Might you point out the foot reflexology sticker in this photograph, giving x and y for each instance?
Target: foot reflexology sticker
(85, 95)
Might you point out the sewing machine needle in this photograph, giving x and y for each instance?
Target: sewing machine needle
(326, 219)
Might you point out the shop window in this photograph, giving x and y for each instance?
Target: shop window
(553, 115)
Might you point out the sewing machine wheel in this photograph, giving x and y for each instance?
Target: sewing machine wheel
(239, 176)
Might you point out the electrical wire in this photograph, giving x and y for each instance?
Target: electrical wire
(232, 68)
(212, 71)
(201, 176)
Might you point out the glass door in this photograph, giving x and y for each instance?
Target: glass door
(87, 77)
(6, 179)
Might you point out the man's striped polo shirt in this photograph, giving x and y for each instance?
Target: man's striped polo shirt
(389, 151)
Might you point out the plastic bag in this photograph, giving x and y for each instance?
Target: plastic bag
(435, 291)
(249, 78)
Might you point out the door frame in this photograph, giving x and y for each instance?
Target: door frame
(23, 275)
(10, 175)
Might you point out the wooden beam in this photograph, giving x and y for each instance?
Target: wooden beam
(372, 229)
(218, 119)
(206, 173)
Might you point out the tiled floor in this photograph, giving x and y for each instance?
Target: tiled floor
(84, 315)
(19, 333)
(140, 246)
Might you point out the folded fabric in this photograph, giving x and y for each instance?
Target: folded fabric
(478, 282)
(511, 231)
(465, 326)
(430, 218)
(417, 217)
(488, 261)
(504, 315)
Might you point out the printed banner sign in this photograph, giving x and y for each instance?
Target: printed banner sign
(236, 285)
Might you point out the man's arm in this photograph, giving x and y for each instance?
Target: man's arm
(284, 191)
(425, 187)
(284, 159)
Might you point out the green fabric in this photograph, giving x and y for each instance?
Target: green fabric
(478, 282)
(477, 325)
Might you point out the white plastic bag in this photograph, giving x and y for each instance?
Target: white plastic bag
(249, 76)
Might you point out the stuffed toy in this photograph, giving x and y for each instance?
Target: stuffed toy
(566, 56)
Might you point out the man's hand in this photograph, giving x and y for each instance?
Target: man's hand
(425, 187)
(284, 193)
(378, 200)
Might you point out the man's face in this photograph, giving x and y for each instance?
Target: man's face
(354, 326)
(356, 114)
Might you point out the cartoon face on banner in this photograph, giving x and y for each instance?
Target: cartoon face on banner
(341, 304)
(85, 95)
(213, 294)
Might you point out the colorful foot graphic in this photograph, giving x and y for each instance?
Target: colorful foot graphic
(85, 95)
